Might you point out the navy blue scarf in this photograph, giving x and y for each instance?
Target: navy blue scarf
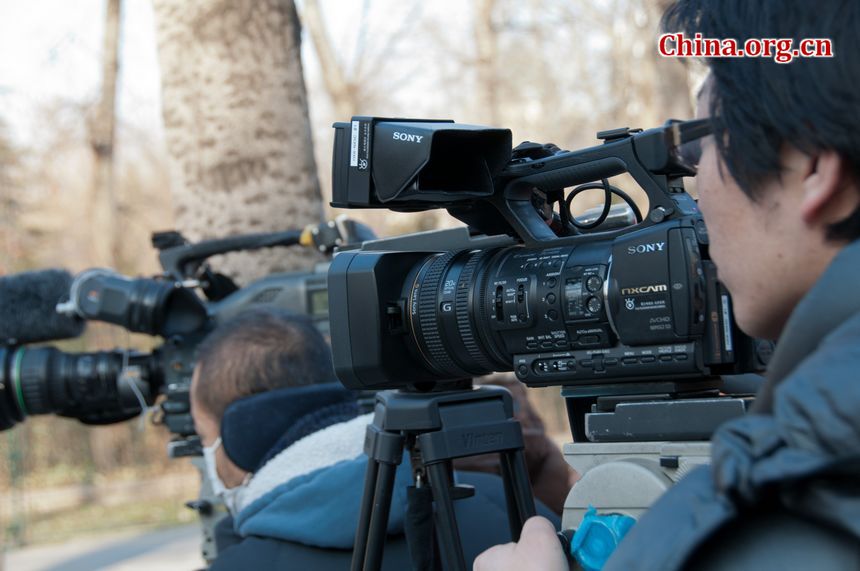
(254, 429)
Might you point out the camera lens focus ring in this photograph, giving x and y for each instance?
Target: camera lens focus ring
(428, 324)
(35, 369)
(464, 324)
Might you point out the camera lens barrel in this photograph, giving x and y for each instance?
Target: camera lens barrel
(424, 317)
(10, 410)
(445, 317)
(86, 386)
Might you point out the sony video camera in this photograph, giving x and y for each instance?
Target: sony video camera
(529, 287)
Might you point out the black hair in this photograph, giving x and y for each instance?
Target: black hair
(259, 350)
(758, 105)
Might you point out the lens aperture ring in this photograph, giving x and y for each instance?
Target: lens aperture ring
(428, 322)
(464, 323)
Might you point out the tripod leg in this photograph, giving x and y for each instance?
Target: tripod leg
(367, 502)
(514, 467)
(378, 528)
(446, 521)
(514, 517)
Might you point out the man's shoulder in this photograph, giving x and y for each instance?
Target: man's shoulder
(765, 540)
(708, 533)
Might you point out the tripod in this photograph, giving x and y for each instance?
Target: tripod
(435, 428)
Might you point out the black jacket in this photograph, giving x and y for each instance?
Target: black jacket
(783, 489)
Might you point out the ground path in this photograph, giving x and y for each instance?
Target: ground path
(172, 549)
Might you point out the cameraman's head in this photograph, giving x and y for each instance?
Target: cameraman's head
(257, 351)
(778, 180)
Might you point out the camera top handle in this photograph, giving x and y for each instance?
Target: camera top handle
(647, 156)
(182, 260)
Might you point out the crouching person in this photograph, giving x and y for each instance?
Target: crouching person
(283, 442)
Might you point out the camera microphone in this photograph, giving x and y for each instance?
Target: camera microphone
(28, 303)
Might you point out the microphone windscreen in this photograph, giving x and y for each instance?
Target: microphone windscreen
(28, 308)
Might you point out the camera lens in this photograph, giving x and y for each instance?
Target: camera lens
(447, 312)
(86, 386)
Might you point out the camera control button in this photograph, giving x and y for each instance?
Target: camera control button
(629, 361)
(680, 356)
(552, 315)
(665, 358)
(546, 345)
(593, 283)
(532, 345)
(522, 370)
(589, 339)
(561, 344)
(550, 298)
(610, 362)
(593, 305)
(551, 282)
(647, 359)
(586, 362)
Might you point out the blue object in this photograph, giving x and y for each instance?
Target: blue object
(597, 537)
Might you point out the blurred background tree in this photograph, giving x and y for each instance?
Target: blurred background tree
(233, 134)
(237, 126)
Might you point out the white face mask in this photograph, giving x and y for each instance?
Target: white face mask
(230, 496)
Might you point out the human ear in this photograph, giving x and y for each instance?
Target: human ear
(826, 191)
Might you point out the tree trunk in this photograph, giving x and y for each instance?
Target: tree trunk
(103, 203)
(236, 125)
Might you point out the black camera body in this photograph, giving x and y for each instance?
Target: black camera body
(630, 311)
(303, 293)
